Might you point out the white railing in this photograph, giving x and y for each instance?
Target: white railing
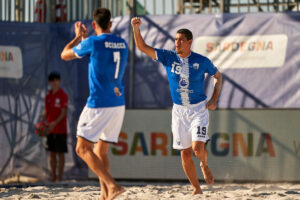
(70, 10)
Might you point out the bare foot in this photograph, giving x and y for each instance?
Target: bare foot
(112, 194)
(58, 179)
(208, 175)
(52, 178)
(197, 191)
(101, 197)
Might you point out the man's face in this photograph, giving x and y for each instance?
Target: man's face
(55, 84)
(182, 44)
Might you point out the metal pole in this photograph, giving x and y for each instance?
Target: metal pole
(132, 55)
(23, 11)
(221, 6)
(11, 13)
(119, 8)
(172, 7)
(201, 6)
(32, 10)
(1, 10)
(180, 7)
(191, 7)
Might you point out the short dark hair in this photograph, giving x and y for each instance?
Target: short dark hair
(187, 33)
(102, 17)
(54, 75)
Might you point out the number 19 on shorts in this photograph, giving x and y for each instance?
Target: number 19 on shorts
(201, 131)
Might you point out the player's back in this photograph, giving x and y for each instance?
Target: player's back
(108, 59)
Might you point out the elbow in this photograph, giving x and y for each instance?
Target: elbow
(140, 47)
(63, 56)
(219, 75)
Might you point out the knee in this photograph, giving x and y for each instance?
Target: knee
(81, 150)
(61, 156)
(99, 153)
(186, 155)
(52, 156)
(103, 155)
(199, 153)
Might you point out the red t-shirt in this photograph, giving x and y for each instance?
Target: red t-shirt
(54, 103)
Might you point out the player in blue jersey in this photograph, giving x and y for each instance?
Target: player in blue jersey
(101, 119)
(185, 71)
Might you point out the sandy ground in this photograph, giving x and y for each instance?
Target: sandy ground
(152, 191)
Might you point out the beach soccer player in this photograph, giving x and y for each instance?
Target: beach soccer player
(190, 120)
(101, 119)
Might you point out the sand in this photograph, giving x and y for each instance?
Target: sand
(68, 190)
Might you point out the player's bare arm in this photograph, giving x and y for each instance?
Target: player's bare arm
(212, 103)
(44, 116)
(80, 33)
(136, 22)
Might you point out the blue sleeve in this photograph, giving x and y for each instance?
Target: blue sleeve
(83, 48)
(210, 68)
(162, 56)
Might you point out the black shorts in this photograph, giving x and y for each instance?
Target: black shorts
(57, 143)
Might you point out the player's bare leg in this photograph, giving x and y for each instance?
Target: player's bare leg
(201, 153)
(61, 164)
(52, 161)
(101, 149)
(190, 169)
(85, 152)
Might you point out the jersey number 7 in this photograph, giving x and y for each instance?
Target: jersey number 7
(117, 59)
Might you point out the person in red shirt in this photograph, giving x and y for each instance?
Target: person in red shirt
(55, 115)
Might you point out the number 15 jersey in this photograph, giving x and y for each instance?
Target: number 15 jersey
(108, 58)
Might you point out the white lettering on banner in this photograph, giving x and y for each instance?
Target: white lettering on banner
(11, 65)
(257, 51)
(248, 143)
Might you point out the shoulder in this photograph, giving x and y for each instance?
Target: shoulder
(49, 94)
(116, 38)
(62, 93)
(166, 51)
(84, 44)
(90, 40)
(201, 58)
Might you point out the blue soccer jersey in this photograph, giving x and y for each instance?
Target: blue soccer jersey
(186, 75)
(108, 57)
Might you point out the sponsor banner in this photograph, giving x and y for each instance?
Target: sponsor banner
(11, 65)
(257, 145)
(258, 54)
(256, 51)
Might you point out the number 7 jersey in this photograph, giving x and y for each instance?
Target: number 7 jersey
(107, 62)
(186, 75)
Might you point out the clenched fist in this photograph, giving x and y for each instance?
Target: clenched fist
(136, 22)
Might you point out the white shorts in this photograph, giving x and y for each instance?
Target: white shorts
(101, 123)
(189, 123)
